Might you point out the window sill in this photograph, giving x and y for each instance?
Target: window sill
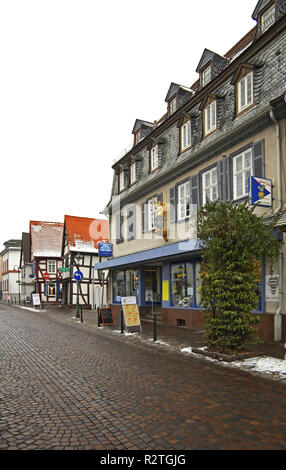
(210, 133)
(242, 111)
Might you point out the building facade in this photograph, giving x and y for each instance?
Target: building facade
(228, 126)
(11, 269)
(46, 258)
(26, 267)
(80, 253)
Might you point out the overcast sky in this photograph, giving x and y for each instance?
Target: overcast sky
(75, 74)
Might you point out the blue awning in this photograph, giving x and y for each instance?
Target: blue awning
(155, 254)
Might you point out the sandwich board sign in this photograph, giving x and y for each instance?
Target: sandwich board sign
(131, 314)
(36, 299)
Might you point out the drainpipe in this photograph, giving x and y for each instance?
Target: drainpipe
(277, 316)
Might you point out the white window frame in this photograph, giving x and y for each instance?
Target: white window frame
(213, 183)
(151, 214)
(133, 173)
(245, 170)
(206, 75)
(210, 114)
(184, 201)
(54, 264)
(154, 158)
(186, 135)
(245, 92)
(121, 181)
(268, 16)
(172, 106)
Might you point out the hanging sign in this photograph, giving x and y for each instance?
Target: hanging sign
(131, 314)
(272, 288)
(260, 191)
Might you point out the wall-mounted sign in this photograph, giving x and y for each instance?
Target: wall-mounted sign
(165, 291)
(272, 288)
(31, 276)
(260, 191)
(104, 249)
(64, 270)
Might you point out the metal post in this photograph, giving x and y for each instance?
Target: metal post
(98, 317)
(77, 299)
(81, 318)
(121, 321)
(155, 326)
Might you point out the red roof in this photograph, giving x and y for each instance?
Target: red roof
(83, 233)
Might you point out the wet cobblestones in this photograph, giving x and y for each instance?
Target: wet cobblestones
(64, 387)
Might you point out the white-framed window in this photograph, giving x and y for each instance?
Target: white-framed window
(210, 185)
(154, 160)
(268, 18)
(121, 181)
(133, 173)
(52, 266)
(245, 92)
(137, 137)
(210, 117)
(186, 135)
(184, 200)
(206, 75)
(172, 106)
(242, 170)
(151, 214)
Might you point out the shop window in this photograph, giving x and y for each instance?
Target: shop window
(198, 284)
(118, 283)
(125, 284)
(182, 284)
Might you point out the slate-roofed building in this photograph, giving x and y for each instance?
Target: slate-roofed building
(80, 253)
(46, 257)
(226, 127)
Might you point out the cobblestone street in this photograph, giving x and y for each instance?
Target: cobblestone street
(64, 387)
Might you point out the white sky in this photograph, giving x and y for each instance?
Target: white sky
(74, 76)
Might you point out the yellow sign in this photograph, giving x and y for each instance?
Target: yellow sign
(131, 315)
(165, 291)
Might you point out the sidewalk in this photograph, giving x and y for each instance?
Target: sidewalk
(270, 360)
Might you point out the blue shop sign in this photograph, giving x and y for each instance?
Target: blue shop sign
(104, 249)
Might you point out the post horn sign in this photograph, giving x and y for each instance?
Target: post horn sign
(260, 191)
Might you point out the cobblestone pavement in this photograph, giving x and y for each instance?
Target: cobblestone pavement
(65, 387)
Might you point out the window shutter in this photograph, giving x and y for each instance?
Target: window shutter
(119, 227)
(144, 213)
(194, 190)
(230, 178)
(258, 159)
(173, 205)
(223, 179)
(131, 223)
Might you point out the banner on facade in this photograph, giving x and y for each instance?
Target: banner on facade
(272, 288)
(131, 314)
(260, 191)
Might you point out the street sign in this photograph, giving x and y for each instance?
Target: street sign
(104, 249)
(64, 270)
(260, 191)
(46, 276)
(31, 276)
(78, 276)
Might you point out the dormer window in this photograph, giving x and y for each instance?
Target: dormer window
(172, 106)
(245, 92)
(137, 137)
(210, 120)
(133, 173)
(185, 135)
(267, 18)
(121, 181)
(154, 158)
(206, 75)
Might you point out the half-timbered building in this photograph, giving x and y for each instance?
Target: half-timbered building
(80, 253)
(46, 243)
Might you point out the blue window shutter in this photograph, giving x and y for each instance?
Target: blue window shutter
(229, 178)
(223, 179)
(131, 223)
(220, 180)
(194, 190)
(258, 159)
(46, 288)
(144, 213)
(172, 210)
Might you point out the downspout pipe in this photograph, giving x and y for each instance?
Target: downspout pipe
(277, 316)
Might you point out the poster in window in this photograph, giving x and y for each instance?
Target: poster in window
(272, 288)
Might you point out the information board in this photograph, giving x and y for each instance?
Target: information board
(106, 316)
(36, 299)
(131, 314)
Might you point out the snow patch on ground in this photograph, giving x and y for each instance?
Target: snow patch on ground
(28, 308)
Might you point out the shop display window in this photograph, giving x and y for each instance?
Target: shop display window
(182, 284)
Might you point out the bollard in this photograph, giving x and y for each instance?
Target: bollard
(154, 326)
(81, 319)
(98, 317)
(121, 321)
